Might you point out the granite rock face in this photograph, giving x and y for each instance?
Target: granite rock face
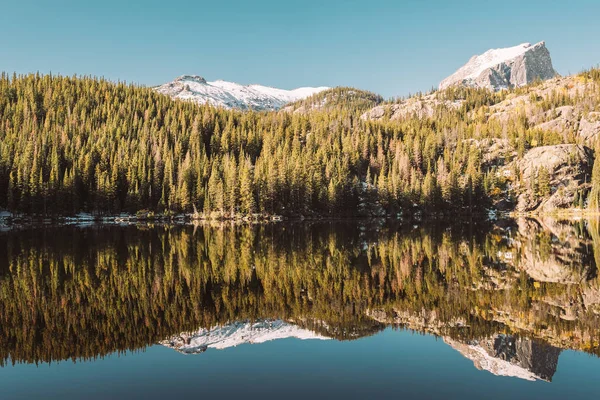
(589, 127)
(420, 107)
(506, 68)
(569, 169)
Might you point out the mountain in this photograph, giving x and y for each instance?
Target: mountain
(236, 333)
(231, 95)
(504, 68)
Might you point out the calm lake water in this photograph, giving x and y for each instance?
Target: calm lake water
(305, 310)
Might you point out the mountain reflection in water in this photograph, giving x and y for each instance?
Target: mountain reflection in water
(508, 297)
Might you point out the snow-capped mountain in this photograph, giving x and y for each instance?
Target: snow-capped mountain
(233, 95)
(236, 333)
(504, 68)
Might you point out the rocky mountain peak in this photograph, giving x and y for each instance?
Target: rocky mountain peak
(191, 78)
(504, 68)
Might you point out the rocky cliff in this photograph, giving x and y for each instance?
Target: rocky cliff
(504, 68)
(552, 176)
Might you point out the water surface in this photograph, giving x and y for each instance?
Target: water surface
(327, 310)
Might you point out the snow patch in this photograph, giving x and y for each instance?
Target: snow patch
(478, 64)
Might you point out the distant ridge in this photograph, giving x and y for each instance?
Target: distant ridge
(232, 95)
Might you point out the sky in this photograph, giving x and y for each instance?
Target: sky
(393, 48)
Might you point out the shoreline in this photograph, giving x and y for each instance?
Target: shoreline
(8, 219)
(559, 213)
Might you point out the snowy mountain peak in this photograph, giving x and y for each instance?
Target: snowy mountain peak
(504, 68)
(236, 333)
(230, 95)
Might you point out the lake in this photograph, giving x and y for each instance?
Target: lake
(360, 309)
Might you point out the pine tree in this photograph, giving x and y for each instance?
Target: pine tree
(247, 203)
(543, 182)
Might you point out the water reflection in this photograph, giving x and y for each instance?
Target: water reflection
(508, 355)
(237, 333)
(509, 297)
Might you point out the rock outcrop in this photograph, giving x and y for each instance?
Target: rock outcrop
(589, 127)
(504, 68)
(561, 120)
(573, 121)
(568, 169)
(494, 151)
(420, 107)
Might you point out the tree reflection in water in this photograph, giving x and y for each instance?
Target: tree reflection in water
(516, 292)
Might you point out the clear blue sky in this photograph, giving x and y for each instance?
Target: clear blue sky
(390, 47)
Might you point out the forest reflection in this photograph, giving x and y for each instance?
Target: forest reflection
(84, 292)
